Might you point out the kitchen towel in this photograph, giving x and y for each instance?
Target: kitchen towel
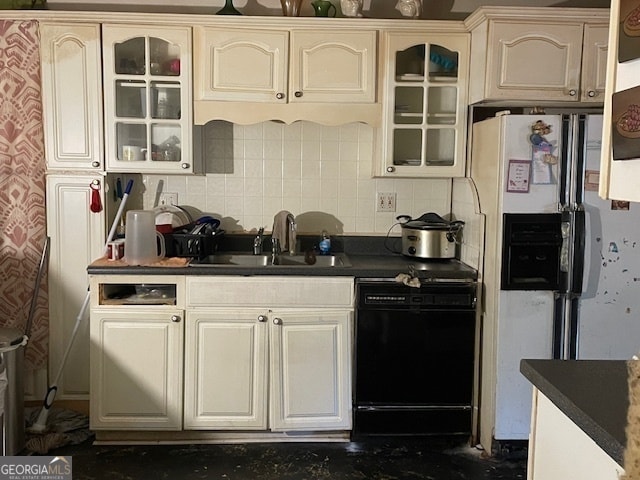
(285, 235)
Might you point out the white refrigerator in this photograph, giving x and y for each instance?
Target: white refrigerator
(549, 164)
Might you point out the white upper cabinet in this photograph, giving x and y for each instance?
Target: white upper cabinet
(333, 66)
(594, 62)
(541, 55)
(72, 96)
(424, 113)
(619, 178)
(148, 96)
(323, 75)
(242, 65)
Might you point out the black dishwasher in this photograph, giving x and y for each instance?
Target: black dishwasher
(414, 357)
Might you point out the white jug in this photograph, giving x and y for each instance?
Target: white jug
(140, 246)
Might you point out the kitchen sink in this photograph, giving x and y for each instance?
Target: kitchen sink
(264, 260)
(337, 260)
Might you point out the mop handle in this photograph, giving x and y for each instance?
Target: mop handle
(40, 425)
(114, 225)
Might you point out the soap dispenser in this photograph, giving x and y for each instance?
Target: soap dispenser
(325, 243)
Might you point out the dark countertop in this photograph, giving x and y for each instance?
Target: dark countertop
(594, 394)
(370, 257)
(362, 266)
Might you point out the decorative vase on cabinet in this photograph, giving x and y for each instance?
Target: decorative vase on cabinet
(291, 8)
(228, 9)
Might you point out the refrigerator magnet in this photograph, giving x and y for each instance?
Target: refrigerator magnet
(542, 159)
(518, 176)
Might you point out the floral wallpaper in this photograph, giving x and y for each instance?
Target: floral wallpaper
(22, 186)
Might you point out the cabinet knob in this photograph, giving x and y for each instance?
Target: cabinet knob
(591, 93)
(262, 318)
(298, 94)
(95, 164)
(184, 166)
(279, 96)
(573, 92)
(175, 318)
(277, 321)
(391, 169)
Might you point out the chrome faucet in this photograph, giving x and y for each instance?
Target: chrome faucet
(275, 251)
(257, 242)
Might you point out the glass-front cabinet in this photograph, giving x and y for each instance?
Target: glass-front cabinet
(425, 110)
(147, 88)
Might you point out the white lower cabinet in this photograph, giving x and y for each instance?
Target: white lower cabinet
(139, 382)
(268, 353)
(560, 449)
(136, 352)
(221, 353)
(281, 369)
(226, 370)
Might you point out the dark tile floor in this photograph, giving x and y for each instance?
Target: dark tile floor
(365, 459)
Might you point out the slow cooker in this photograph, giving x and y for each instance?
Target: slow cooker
(430, 236)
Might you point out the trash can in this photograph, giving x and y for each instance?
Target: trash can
(12, 342)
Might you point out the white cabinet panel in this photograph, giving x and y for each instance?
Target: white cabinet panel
(226, 370)
(72, 95)
(77, 238)
(559, 449)
(310, 370)
(241, 65)
(136, 358)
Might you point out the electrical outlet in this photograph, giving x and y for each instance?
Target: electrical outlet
(168, 198)
(386, 202)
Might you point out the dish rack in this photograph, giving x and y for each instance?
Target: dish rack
(191, 245)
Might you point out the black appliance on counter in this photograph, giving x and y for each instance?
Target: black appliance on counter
(415, 357)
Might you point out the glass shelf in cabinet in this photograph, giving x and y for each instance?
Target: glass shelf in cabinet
(408, 119)
(441, 118)
(410, 77)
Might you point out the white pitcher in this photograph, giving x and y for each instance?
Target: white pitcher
(140, 245)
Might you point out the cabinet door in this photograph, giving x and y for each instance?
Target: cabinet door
(594, 63)
(310, 369)
(77, 238)
(241, 65)
(136, 368)
(147, 85)
(333, 66)
(72, 96)
(534, 60)
(425, 111)
(226, 370)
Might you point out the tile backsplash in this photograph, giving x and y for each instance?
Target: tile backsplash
(321, 174)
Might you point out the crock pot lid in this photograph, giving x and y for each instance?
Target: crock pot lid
(428, 221)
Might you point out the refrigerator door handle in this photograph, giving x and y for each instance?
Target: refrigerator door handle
(579, 235)
(565, 230)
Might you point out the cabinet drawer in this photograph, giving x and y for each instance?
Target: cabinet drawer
(271, 291)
